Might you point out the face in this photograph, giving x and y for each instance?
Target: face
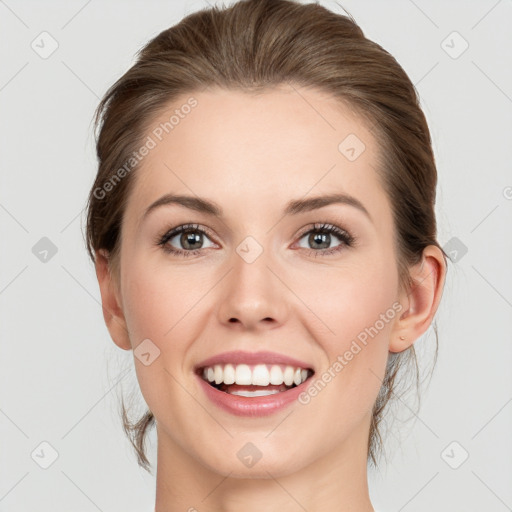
(261, 276)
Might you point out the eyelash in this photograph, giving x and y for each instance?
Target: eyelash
(347, 239)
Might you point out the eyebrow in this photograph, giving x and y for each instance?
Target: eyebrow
(294, 207)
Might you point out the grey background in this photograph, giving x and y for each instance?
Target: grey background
(61, 375)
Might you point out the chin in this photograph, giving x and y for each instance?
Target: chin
(248, 461)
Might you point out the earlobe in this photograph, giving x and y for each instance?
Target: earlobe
(110, 301)
(423, 299)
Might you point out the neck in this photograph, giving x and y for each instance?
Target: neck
(335, 481)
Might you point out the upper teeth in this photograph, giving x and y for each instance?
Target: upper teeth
(259, 375)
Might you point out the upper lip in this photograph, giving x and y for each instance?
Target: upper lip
(241, 357)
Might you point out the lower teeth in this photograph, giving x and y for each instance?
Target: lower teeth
(259, 392)
(262, 391)
(250, 392)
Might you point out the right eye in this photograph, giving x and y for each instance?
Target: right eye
(187, 235)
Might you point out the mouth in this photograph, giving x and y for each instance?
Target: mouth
(254, 380)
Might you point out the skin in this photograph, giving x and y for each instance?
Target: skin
(251, 155)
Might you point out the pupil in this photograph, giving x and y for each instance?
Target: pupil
(323, 236)
(190, 238)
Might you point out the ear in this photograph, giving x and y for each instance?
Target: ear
(421, 301)
(111, 303)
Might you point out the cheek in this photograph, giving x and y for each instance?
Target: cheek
(146, 309)
(355, 305)
(166, 305)
(156, 299)
(347, 299)
(160, 307)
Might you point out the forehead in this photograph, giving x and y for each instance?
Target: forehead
(255, 151)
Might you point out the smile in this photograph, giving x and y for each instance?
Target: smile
(254, 380)
(253, 383)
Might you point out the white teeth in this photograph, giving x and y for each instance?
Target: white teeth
(243, 375)
(229, 374)
(258, 375)
(276, 375)
(217, 371)
(288, 375)
(257, 392)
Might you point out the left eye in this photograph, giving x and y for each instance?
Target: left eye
(322, 235)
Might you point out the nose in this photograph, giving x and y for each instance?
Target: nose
(253, 296)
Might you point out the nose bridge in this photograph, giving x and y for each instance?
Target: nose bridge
(252, 292)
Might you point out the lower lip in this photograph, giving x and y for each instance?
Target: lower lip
(252, 406)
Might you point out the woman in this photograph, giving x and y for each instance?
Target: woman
(263, 230)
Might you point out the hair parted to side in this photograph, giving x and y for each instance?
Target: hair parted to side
(252, 46)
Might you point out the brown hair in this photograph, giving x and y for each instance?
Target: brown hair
(252, 46)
